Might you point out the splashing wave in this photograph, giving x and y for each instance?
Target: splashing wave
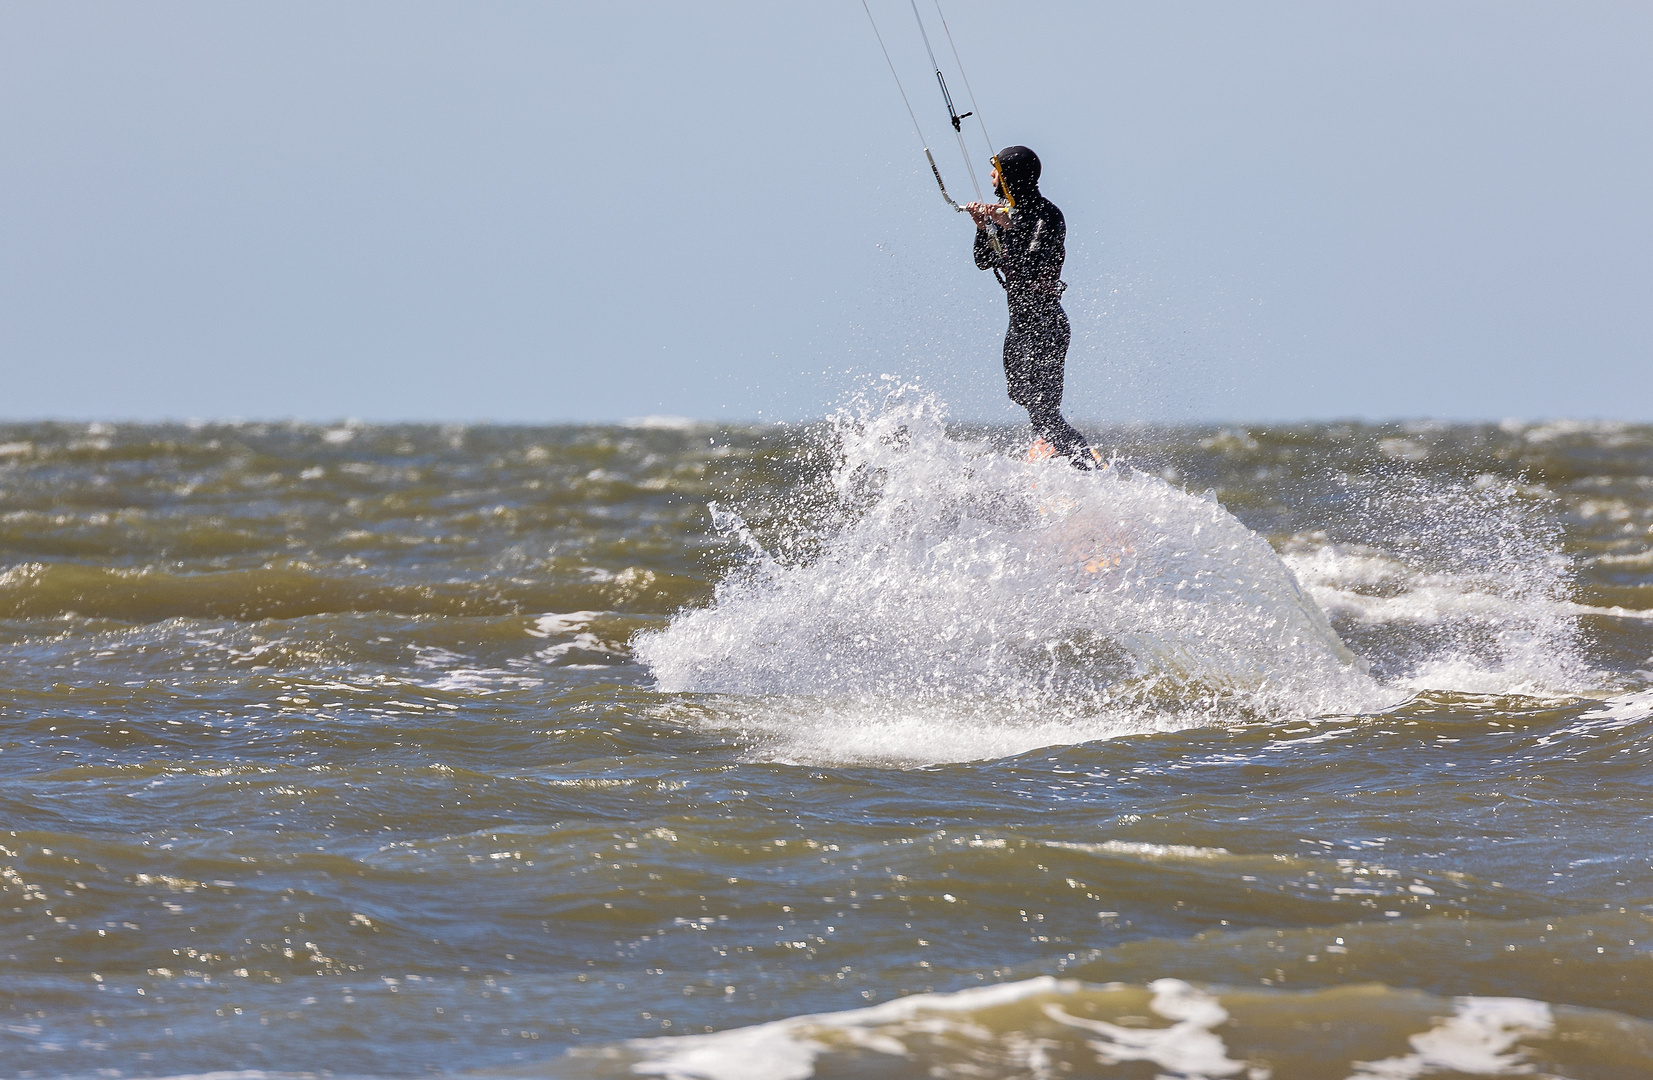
(963, 603)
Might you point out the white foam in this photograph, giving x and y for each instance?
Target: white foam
(884, 730)
(564, 623)
(662, 423)
(963, 603)
(1331, 575)
(582, 644)
(1622, 710)
(1148, 851)
(941, 1034)
(1509, 628)
(1635, 560)
(246, 1074)
(1188, 1049)
(456, 674)
(1479, 1039)
(1615, 713)
(1462, 675)
(787, 1049)
(1551, 430)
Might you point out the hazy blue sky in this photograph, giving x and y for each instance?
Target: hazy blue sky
(593, 211)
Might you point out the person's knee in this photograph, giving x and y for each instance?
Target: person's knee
(1022, 391)
(1046, 381)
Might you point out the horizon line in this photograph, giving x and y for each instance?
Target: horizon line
(669, 421)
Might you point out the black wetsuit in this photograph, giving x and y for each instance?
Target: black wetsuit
(1030, 269)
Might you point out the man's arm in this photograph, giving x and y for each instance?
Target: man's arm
(990, 221)
(986, 257)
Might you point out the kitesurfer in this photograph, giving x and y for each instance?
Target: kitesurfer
(1027, 261)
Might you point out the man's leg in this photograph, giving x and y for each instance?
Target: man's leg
(1018, 363)
(1048, 370)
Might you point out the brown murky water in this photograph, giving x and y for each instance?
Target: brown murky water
(383, 751)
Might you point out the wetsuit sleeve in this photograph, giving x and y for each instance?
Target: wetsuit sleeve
(986, 258)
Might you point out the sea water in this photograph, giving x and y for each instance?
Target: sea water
(865, 748)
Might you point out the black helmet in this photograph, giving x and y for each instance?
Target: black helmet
(1018, 171)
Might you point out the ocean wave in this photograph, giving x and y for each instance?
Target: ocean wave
(1047, 1027)
(36, 590)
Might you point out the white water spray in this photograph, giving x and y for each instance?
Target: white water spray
(1455, 586)
(969, 604)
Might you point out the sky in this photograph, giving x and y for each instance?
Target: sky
(546, 212)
